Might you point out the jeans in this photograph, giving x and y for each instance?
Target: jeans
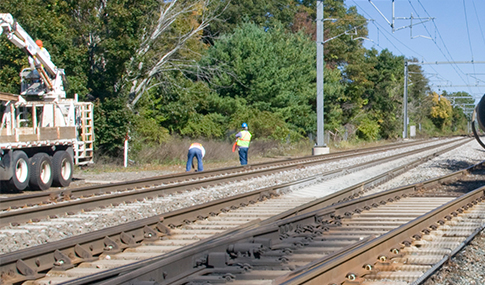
(190, 159)
(243, 155)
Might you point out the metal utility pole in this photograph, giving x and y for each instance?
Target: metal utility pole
(405, 101)
(320, 148)
(320, 67)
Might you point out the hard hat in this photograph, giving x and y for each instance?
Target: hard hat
(39, 43)
(244, 125)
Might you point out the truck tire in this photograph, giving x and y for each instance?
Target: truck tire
(40, 172)
(62, 167)
(21, 171)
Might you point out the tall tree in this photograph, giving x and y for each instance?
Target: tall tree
(384, 99)
(172, 43)
(273, 71)
(260, 12)
(418, 90)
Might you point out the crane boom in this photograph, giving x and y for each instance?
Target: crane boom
(43, 134)
(51, 76)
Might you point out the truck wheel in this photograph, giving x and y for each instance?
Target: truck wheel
(62, 167)
(20, 178)
(41, 172)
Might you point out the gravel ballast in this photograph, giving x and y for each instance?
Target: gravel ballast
(15, 238)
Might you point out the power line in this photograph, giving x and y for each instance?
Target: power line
(441, 38)
(469, 39)
(478, 20)
(385, 30)
(442, 46)
(468, 31)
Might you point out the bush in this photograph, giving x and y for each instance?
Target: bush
(368, 129)
(111, 124)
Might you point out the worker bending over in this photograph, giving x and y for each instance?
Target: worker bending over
(198, 151)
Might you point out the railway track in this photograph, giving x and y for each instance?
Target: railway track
(35, 207)
(57, 196)
(399, 236)
(64, 255)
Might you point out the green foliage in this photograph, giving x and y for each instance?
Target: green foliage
(441, 111)
(463, 101)
(418, 102)
(188, 108)
(264, 125)
(384, 96)
(334, 98)
(208, 126)
(260, 70)
(271, 69)
(368, 129)
(459, 121)
(111, 123)
(146, 130)
(261, 12)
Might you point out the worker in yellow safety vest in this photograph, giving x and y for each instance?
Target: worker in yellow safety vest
(243, 138)
(198, 151)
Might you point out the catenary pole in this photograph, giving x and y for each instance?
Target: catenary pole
(320, 67)
(405, 101)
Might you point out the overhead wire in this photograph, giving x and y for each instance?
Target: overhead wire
(383, 30)
(478, 20)
(396, 39)
(453, 65)
(469, 39)
(431, 37)
(444, 51)
(468, 29)
(479, 26)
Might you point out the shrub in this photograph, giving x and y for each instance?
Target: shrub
(368, 129)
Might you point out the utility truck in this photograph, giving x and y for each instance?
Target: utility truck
(43, 134)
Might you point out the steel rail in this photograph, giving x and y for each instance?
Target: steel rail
(56, 196)
(356, 260)
(317, 272)
(437, 266)
(66, 253)
(297, 217)
(32, 214)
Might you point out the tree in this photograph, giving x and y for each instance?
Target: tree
(418, 90)
(441, 111)
(273, 70)
(378, 85)
(264, 13)
(172, 43)
(36, 17)
(111, 121)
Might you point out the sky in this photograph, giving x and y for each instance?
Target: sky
(456, 34)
